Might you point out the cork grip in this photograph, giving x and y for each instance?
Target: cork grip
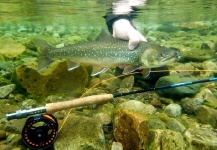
(89, 100)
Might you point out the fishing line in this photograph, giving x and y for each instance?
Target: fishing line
(140, 91)
(42, 135)
(103, 81)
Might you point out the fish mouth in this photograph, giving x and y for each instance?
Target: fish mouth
(174, 56)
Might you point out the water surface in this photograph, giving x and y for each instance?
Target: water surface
(89, 12)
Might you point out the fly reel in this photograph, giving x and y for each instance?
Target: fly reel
(40, 131)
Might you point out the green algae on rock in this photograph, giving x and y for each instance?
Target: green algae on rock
(131, 129)
(166, 140)
(9, 48)
(54, 80)
(178, 92)
(82, 133)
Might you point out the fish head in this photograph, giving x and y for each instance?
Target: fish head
(157, 56)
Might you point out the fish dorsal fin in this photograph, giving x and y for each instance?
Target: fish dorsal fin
(72, 65)
(104, 36)
(97, 70)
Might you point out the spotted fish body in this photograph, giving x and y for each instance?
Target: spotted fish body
(106, 52)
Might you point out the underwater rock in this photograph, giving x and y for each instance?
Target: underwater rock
(207, 115)
(209, 65)
(209, 45)
(168, 28)
(54, 80)
(105, 119)
(2, 135)
(14, 140)
(189, 105)
(138, 107)
(117, 146)
(6, 90)
(204, 138)
(156, 123)
(178, 92)
(186, 26)
(9, 48)
(127, 82)
(4, 81)
(166, 140)
(175, 125)
(131, 129)
(201, 55)
(81, 132)
(173, 110)
(111, 85)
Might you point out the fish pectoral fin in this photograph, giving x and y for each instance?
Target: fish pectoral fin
(72, 65)
(146, 72)
(130, 68)
(97, 70)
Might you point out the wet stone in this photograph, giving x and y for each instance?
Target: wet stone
(131, 129)
(178, 92)
(207, 115)
(2, 135)
(171, 140)
(81, 132)
(204, 138)
(176, 126)
(173, 110)
(137, 106)
(6, 90)
(117, 146)
(9, 48)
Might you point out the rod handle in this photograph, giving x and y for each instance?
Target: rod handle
(89, 100)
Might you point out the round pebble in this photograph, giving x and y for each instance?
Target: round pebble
(173, 110)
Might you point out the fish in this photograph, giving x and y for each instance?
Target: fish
(107, 52)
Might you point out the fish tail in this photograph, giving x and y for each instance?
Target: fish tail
(43, 60)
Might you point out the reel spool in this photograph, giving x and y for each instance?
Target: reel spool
(40, 131)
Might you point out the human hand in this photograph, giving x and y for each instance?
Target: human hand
(123, 29)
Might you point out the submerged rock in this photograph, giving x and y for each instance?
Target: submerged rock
(6, 90)
(175, 125)
(178, 92)
(207, 115)
(138, 107)
(9, 48)
(173, 110)
(131, 129)
(82, 133)
(204, 138)
(54, 80)
(166, 140)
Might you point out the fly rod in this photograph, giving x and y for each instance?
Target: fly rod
(50, 108)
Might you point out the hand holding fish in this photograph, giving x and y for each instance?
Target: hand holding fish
(119, 22)
(123, 29)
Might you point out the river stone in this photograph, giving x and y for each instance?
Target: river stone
(9, 48)
(137, 106)
(166, 140)
(207, 115)
(175, 125)
(2, 135)
(81, 133)
(127, 82)
(6, 90)
(173, 110)
(178, 92)
(204, 138)
(131, 129)
(56, 79)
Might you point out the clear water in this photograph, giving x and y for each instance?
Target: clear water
(89, 13)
